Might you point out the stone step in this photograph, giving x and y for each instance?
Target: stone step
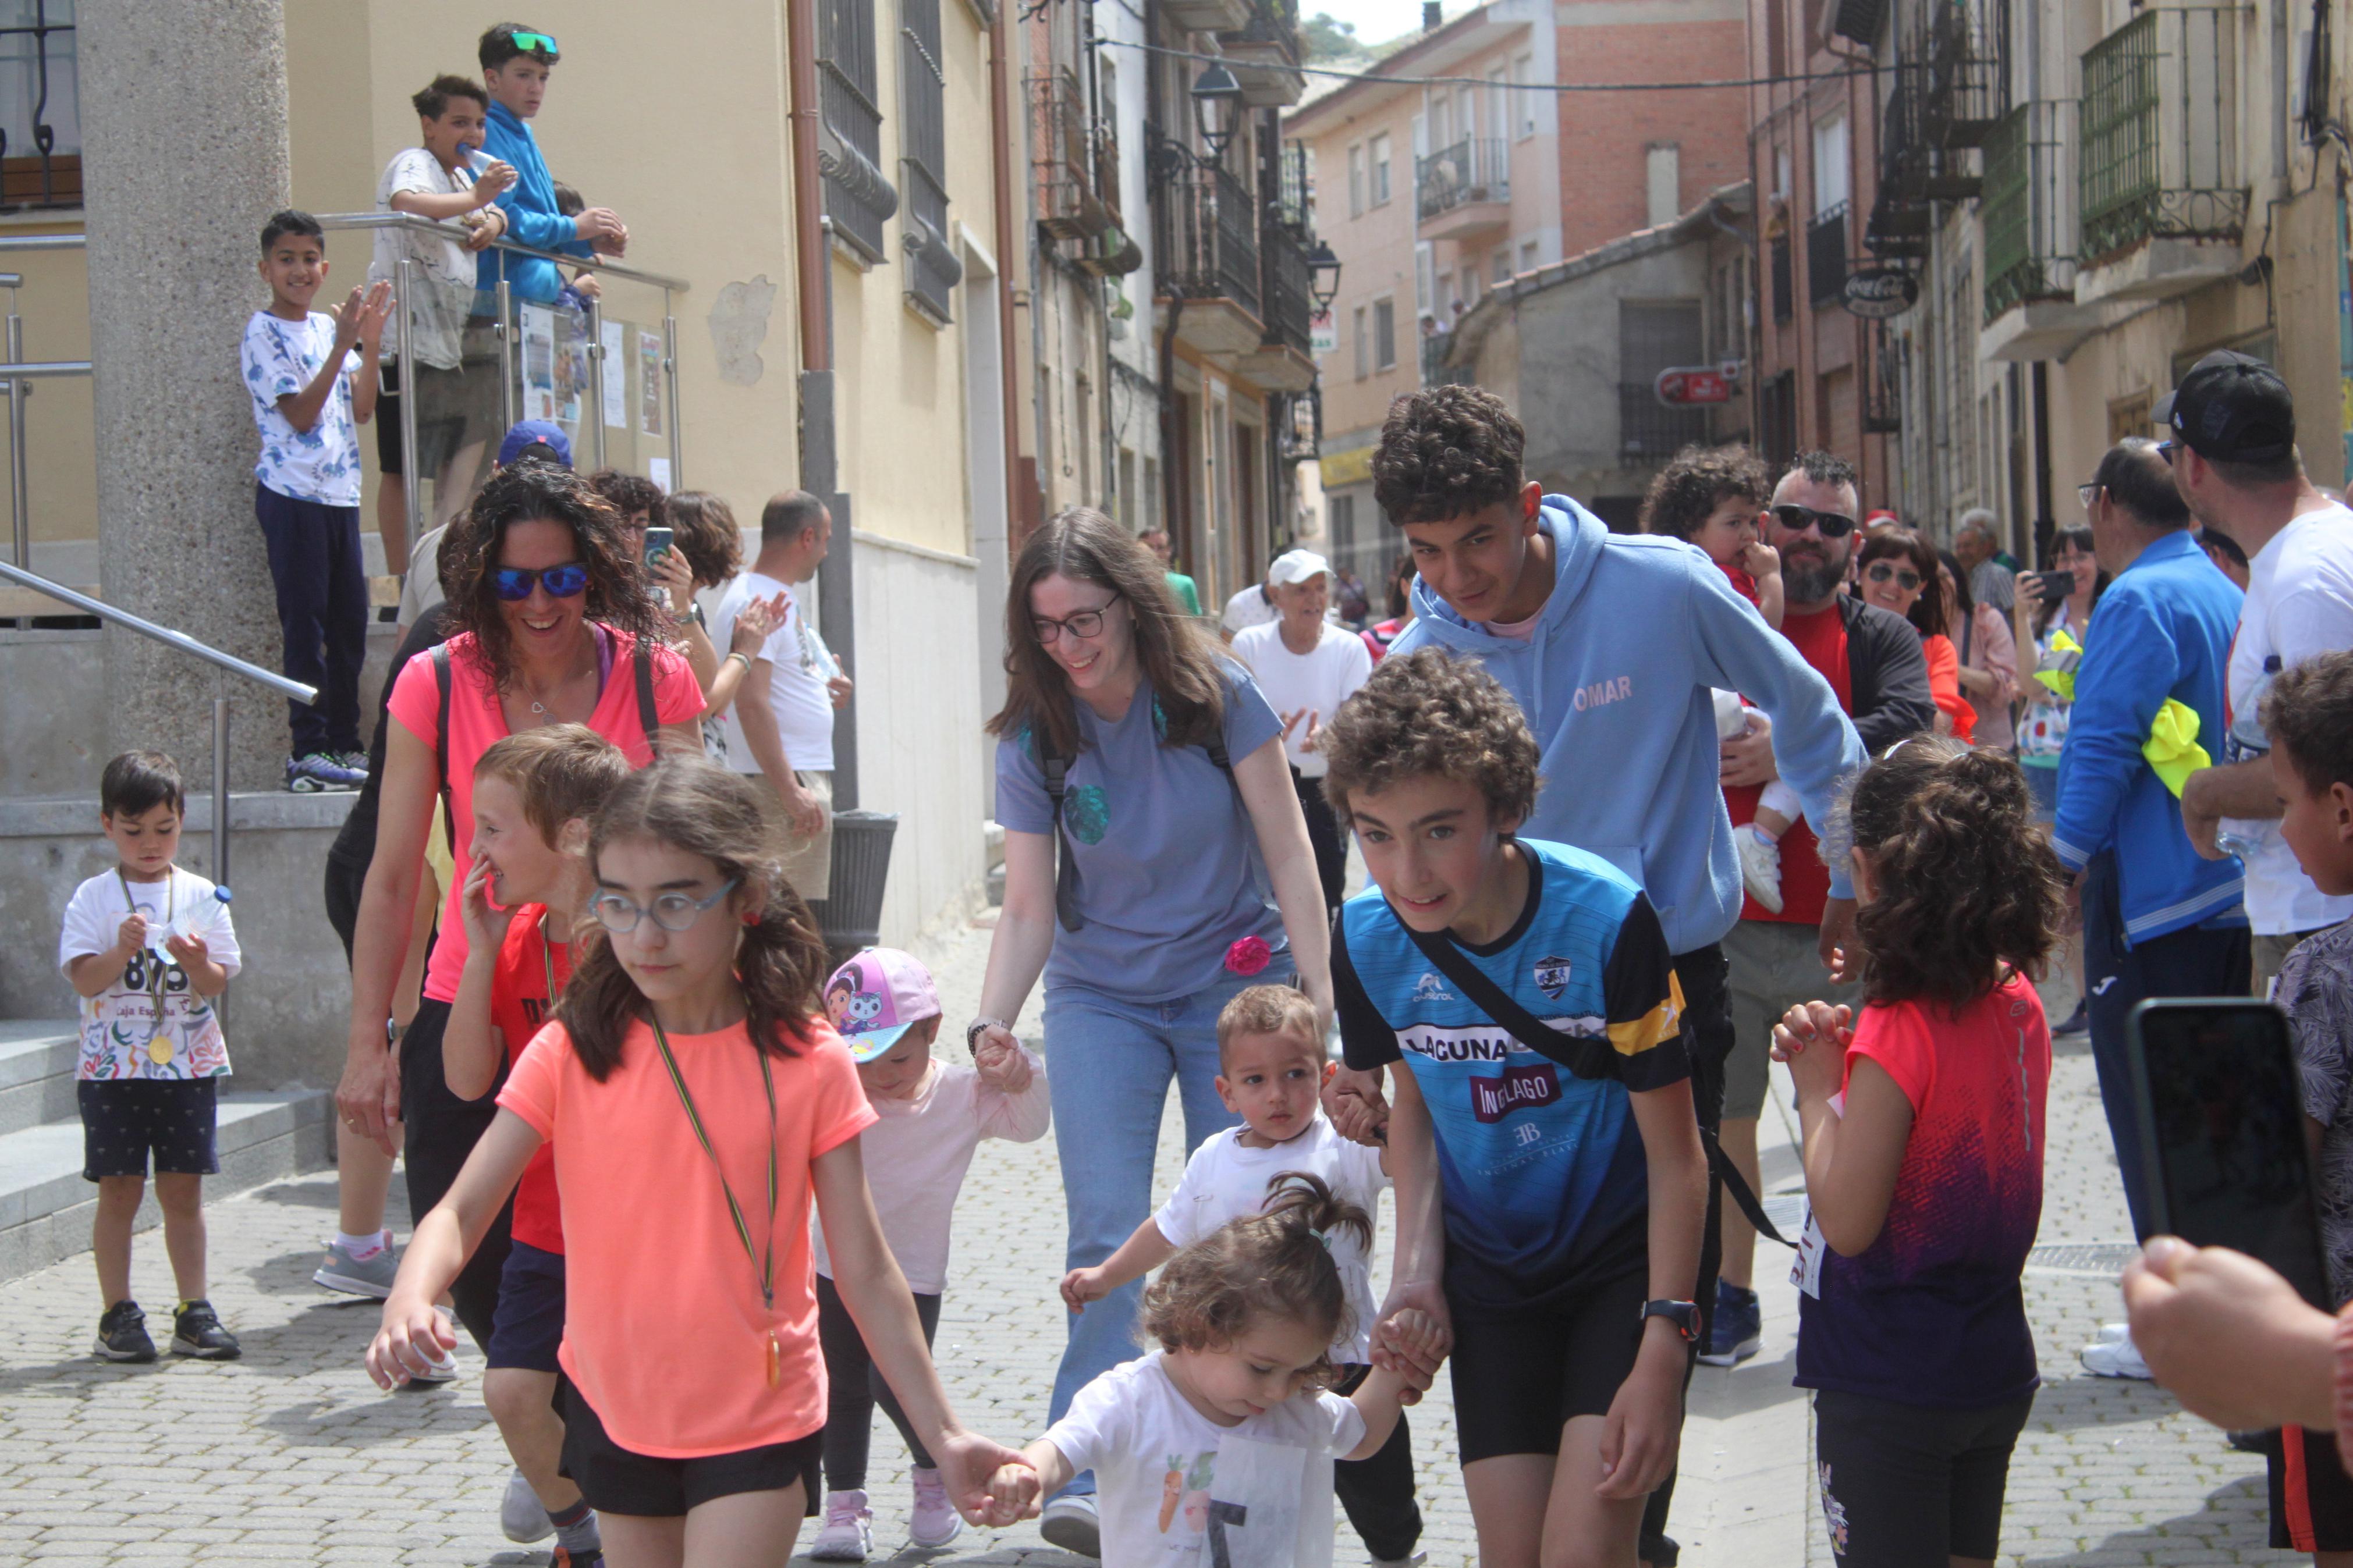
(36, 1068)
(46, 1207)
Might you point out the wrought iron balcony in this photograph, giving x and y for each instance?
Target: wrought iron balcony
(1783, 301)
(1434, 371)
(1298, 188)
(1206, 237)
(1288, 304)
(1264, 55)
(1649, 431)
(2159, 133)
(1475, 170)
(2029, 210)
(1966, 84)
(1826, 256)
(1068, 160)
(859, 197)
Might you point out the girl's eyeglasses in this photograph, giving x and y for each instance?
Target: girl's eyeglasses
(514, 584)
(1083, 626)
(671, 911)
(1881, 571)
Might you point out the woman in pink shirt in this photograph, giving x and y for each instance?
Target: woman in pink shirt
(553, 625)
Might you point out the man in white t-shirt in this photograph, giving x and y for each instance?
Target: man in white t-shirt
(2235, 462)
(1253, 607)
(780, 728)
(1307, 666)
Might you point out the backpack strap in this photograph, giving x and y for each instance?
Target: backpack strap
(1530, 1031)
(1057, 771)
(441, 683)
(641, 661)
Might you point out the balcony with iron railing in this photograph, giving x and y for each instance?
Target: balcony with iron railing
(1648, 431)
(2029, 210)
(1778, 269)
(1206, 251)
(859, 197)
(2162, 198)
(1826, 256)
(1263, 53)
(1966, 85)
(1282, 362)
(1070, 157)
(1434, 371)
(1465, 189)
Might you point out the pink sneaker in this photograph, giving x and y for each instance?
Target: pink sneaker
(848, 1534)
(935, 1522)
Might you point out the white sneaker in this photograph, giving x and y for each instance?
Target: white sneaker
(443, 1369)
(934, 1522)
(2117, 1357)
(521, 1516)
(848, 1534)
(1760, 867)
(1070, 1522)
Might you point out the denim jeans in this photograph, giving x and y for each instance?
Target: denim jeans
(1108, 1063)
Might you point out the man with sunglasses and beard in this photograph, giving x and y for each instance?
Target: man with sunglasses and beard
(1872, 658)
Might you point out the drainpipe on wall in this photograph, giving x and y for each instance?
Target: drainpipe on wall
(1009, 364)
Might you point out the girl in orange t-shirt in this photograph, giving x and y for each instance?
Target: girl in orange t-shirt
(698, 1101)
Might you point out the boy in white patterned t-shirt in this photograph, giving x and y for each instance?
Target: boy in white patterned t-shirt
(148, 947)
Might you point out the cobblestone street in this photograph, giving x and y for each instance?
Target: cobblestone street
(293, 1456)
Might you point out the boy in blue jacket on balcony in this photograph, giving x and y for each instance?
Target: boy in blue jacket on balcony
(516, 60)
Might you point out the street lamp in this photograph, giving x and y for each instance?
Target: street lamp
(1322, 274)
(1217, 108)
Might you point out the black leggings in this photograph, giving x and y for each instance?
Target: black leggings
(855, 1386)
(442, 1130)
(1331, 846)
(1908, 1486)
(1378, 1493)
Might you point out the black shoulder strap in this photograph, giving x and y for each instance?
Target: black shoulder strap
(441, 741)
(1057, 771)
(1530, 1031)
(642, 660)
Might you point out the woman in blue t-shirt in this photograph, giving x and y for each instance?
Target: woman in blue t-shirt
(1185, 875)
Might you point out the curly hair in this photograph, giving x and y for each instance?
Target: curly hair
(1901, 544)
(1181, 660)
(1823, 469)
(2308, 714)
(1272, 1264)
(1697, 480)
(694, 805)
(540, 492)
(1431, 713)
(1964, 884)
(704, 528)
(628, 493)
(1446, 452)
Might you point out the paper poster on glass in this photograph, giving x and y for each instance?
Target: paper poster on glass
(538, 362)
(571, 364)
(650, 382)
(658, 470)
(616, 377)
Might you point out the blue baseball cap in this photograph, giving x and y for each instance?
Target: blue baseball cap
(533, 433)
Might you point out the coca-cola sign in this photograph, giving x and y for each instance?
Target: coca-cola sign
(1692, 385)
(1878, 292)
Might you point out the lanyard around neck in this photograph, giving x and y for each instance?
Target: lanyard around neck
(765, 1261)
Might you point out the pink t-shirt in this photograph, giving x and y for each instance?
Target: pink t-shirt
(664, 1332)
(476, 721)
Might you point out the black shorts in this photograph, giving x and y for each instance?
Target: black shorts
(615, 1480)
(2312, 1497)
(1580, 1347)
(528, 1326)
(441, 421)
(1911, 1484)
(125, 1120)
(441, 1131)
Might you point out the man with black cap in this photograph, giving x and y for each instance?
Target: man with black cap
(2235, 462)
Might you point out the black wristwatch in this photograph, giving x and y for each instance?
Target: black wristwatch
(1683, 1315)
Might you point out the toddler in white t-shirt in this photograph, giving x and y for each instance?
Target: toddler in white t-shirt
(1270, 1067)
(1219, 1445)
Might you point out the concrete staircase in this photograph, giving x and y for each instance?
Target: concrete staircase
(46, 1206)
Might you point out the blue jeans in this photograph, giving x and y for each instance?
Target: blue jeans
(1108, 1065)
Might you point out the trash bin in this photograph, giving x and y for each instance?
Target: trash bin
(850, 917)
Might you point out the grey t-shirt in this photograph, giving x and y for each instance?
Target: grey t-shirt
(2315, 990)
(1165, 854)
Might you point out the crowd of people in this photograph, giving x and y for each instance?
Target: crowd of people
(1640, 812)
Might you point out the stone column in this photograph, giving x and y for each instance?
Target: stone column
(185, 154)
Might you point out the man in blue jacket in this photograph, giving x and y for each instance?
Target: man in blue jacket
(2159, 921)
(516, 60)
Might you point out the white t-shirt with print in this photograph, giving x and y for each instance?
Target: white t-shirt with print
(2299, 605)
(1318, 680)
(444, 296)
(320, 464)
(1226, 1180)
(119, 1025)
(799, 664)
(1249, 607)
(1166, 1476)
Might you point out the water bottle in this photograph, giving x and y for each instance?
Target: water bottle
(197, 920)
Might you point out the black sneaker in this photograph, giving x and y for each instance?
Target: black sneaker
(196, 1331)
(2078, 1022)
(123, 1334)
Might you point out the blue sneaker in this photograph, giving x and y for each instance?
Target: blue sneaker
(1736, 1332)
(321, 774)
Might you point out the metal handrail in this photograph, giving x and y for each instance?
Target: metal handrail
(164, 635)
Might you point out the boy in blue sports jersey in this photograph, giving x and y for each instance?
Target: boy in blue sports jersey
(1550, 1195)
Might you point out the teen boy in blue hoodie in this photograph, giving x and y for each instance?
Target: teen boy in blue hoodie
(515, 61)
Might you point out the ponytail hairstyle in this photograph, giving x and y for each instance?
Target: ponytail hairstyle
(1964, 887)
(1276, 1263)
(690, 804)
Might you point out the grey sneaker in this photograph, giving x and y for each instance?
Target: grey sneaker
(1072, 1523)
(356, 1276)
(522, 1515)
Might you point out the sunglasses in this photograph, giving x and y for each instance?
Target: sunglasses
(1882, 571)
(534, 43)
(514, 583)
(1797, 519)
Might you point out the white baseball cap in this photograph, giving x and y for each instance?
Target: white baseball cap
(1297, 566)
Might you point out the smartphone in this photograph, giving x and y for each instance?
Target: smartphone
(2055, 586)
(2215, 1087)
(656, 542)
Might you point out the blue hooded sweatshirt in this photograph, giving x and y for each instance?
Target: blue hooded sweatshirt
(532, 218)
(1615, 684)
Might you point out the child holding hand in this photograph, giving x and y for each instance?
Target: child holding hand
(1923, 1121)
(1271, 1069)
(1219, 1445)
(930, 1117)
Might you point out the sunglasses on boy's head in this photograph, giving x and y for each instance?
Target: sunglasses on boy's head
(1796, 517)
(1903, 577)
(534, 43)
(514, 584)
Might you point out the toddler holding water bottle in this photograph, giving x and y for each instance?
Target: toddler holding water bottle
(148, 946)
